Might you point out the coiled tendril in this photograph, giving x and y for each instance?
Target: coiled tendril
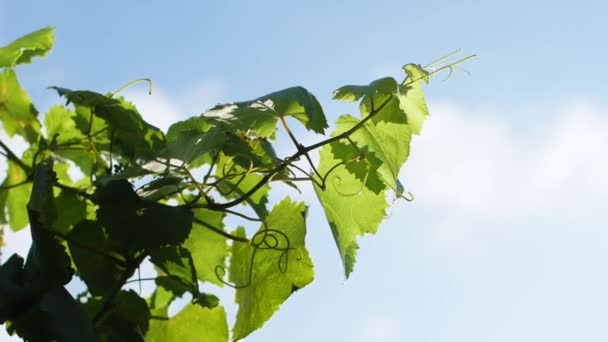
(265, 239)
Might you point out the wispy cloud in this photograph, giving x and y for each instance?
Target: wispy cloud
(477, 163)
(381, 328)
(162, 108)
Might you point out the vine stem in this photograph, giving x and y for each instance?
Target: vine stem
(132, 83)
(13, 157)
(74, 190)
(304, 150)
(219, 231)
(10, 186)
(299, 146)
(298, 154)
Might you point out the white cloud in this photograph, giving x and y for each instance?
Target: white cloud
(156, 108)
(490, 164)
(202, 97)
(163, 109)
(381, 327)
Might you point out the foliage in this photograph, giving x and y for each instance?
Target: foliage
(144, 194)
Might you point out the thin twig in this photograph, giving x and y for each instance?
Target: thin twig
(242, 215)
(219, 231)
(287, 161)
(74, 190)
(13, 157)
(299, 146)
(7, 187)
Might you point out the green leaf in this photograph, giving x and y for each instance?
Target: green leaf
(48, 265)
(22, 50)
(385, 139)
(160, 300)
(192, 139)
(351, 208)
(72, 210)
(136, 224)
(411, 101)
(206, 300)
(195, 124)
(192, 323)
(3, 215)
(16, 197)
(177, 263)
(191, 145)
(281, 265)
(238, 181)
(209, 249)
(384, 86)
(259, 117)
(17, 112)
(249, 152)
(162, 188)
(14, 297)
(65, 317)
(131, 136)
(415, 72)
(98, 271)
(61, 127)
(128, 321)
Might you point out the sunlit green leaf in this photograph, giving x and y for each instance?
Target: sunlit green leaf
(281, 266)
(259, 117)
(192, 323)
(22, 50)
(416, 72)
(351, 208)
(384, 139)
(237, 181)
(208, 248)
(17, 196)
(17, 112)
(61, 127)
(71, 209)
(177, 263)
(411, 101)
(129, 133)
(384, 86)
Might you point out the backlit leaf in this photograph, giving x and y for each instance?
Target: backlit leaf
(281, 265)
(98, 271)
(351, 208)
(208, 248)
(259, 117)
(192, 323)
(177, 263)
(17, 112)
(22, 50)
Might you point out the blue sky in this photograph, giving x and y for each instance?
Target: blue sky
(506, 240)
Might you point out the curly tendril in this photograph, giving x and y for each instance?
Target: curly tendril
(265, 239)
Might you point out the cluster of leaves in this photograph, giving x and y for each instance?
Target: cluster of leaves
(143, 194)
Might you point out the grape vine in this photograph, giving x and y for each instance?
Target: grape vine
(144, 194)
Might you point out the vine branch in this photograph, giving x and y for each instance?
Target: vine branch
(219, 231)
(298, 154)
(13, 157)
